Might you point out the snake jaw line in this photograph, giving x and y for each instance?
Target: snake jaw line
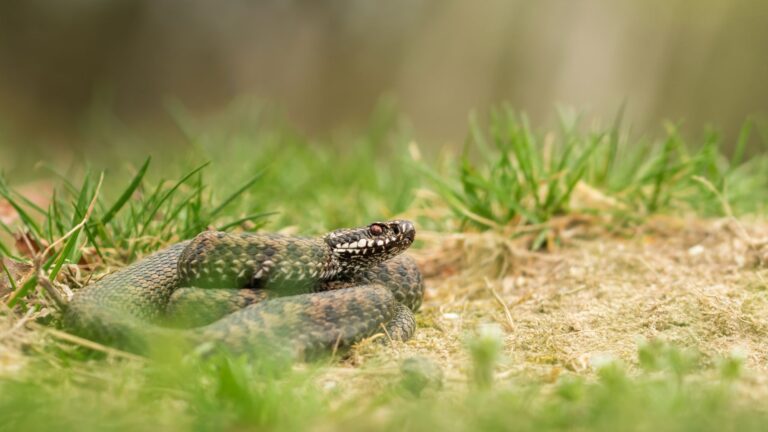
(361, 247)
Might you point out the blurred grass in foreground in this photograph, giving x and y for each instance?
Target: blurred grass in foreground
(672, 391)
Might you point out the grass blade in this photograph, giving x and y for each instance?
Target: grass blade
(167, 195)
(236, 194)
(127, 193)
(251, 218)
(22, 291)
(23, 215)
(65, 253)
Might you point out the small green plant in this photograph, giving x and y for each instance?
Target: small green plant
(485, 349)
(419, 374)
(140, 219)
(522, 178)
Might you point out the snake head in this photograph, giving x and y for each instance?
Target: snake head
(372, 244)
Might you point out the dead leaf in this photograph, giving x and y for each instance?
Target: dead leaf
(585, 196)
(27, 246)
(7, 214)
(18, 271)
(39, 193)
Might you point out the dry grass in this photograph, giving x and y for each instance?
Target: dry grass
(699, 284)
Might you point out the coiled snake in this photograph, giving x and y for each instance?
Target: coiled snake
(244, 292)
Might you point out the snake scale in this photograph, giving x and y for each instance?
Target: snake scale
(245, 292)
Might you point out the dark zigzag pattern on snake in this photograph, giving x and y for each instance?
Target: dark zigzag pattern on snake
(243, 292)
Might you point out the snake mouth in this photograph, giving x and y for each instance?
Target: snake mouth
(375, 242)
(408, 231)
(404, 231)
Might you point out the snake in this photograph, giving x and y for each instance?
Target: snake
(251, 293)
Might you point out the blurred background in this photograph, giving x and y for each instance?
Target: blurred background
(326, 65)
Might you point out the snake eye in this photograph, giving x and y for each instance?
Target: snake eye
(376, 229)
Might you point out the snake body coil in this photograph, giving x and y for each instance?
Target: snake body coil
(243, 292)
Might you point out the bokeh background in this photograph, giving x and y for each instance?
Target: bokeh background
(326, 65)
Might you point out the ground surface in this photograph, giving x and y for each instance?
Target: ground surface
(594, 298)
(694, 283)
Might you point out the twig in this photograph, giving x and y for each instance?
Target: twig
(82, 222)
(741, 231)
(507, 313)
(51, 290)
(19, 323)
(85, 342)
(43, 280)
(336, 346)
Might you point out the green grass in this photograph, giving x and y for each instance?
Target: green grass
(248, 170)
(341, 180)
(512, 174)
(175, 394)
